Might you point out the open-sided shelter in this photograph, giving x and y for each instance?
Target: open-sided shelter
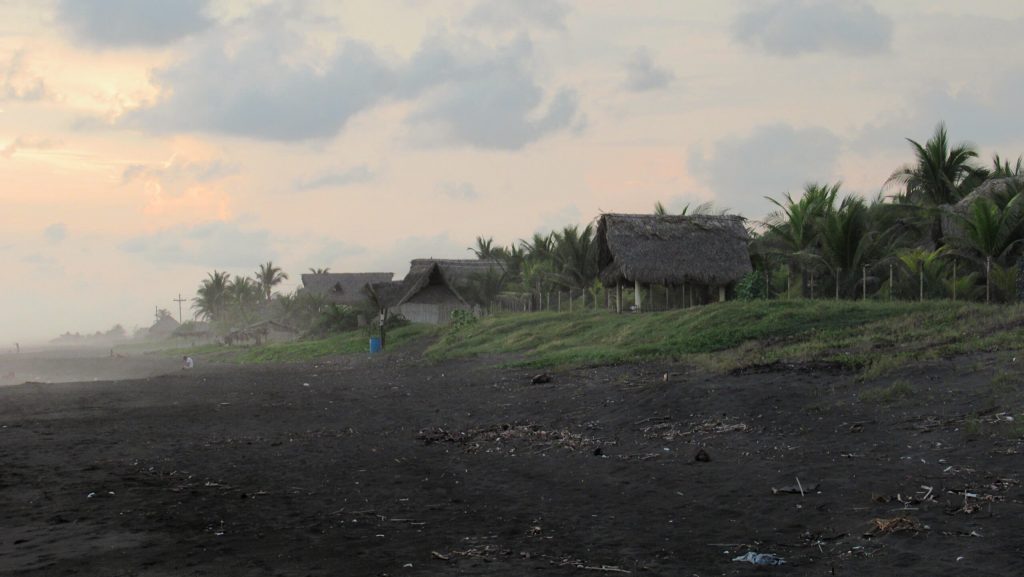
(702, 254)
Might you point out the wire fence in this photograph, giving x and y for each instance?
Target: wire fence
(890, 282)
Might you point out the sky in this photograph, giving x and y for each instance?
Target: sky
(145, 143)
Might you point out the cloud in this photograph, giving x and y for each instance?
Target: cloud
(492, 102)
(532, 14)
(355, 175)
(741, 171)
(459, 191)
(56, 232)
(464, 92)
(177, 173)
(987, 115)
(19, 83)
(256, 93)
(214, 244)
(796, 27)
(26, 143)
(116, 23)
(642, 75)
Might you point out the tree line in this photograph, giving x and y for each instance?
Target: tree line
(912, 240)
(917, 238)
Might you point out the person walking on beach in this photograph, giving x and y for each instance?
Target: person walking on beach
(187, 363)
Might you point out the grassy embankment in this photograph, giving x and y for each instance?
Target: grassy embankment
(873, 337)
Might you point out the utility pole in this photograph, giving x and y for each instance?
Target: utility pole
(179, 300)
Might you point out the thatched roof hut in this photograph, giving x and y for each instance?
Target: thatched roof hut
(343, 288)
(456, 271)
(261, 332)
(426, 295)
(708, 250)
(992, 189)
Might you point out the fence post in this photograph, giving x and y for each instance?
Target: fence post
(920, 282)
(988, 278)
(838, 270)
(954, 280)
(864, 283)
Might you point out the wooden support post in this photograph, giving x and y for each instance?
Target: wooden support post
(890, 282)
(838, 270)
(636, 295)
(618, 296)
(721, 293)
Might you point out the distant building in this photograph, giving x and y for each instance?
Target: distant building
(426, 295)
(262, 332)
(163, 328)
(343, 288)
(704, 255)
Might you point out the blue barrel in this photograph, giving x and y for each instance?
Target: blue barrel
(374, 344)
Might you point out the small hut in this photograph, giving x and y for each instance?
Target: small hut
(426, 295)
(703, 255)
(343, 288)
(262, 332)
(458, 272)
(163, 328)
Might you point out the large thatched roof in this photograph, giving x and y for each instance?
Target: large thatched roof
(457, 271)
(671, 249)
(991, 189)
(343, 288)
(424, 275)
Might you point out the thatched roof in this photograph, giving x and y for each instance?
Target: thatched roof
(457, 271)
(671, 249)
(952, 221)
(164, 327)
(343, 288)
(425, 274)
(387, 294)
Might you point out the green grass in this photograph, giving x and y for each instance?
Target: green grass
(874, 337)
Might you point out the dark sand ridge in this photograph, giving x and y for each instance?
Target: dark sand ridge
(388, 466)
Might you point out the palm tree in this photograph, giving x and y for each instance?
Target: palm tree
(849, 244)
(211, 296)
(942, 174)
(702, 208)
(319, 270)
(1001, 168)
(267, 277)
(992, 231)
(485, 249)
(575, 257)
(793, 228)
